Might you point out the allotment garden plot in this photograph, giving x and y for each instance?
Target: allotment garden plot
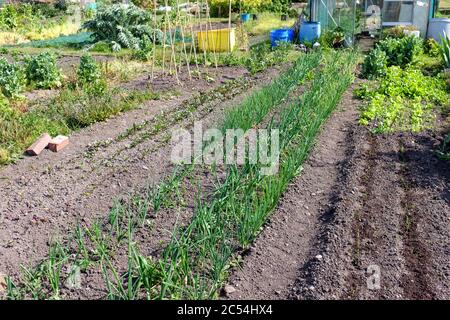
(94, 206)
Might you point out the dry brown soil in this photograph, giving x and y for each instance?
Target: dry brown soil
(363, 203)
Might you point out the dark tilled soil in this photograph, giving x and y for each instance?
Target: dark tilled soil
(44, 197)
(368, 218)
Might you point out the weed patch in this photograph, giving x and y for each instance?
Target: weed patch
(70, 110)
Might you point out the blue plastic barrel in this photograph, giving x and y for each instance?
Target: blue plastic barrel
(91, 6)
(309, 31)
(281, 35)
(245, 17)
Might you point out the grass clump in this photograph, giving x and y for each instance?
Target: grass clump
(409, 84)
(122, 26)
(18, 130)
(70, 110)
(401, 52)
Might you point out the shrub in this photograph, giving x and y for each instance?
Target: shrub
(375, 64)
(19, 129)
(432, 48)
(122, 26)
(278, 6)
(101, 46)
(62, 5)
(88, 70)
(222, 6)
(89, 76)
(14, 16)
(42, 72)
(253, 5)
(401, 52)
(145, 51)
(12, 79)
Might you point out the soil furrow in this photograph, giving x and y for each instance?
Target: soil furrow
(368, 218)
(426, 201)
(44, 197)
(389, 237)
(289, 239)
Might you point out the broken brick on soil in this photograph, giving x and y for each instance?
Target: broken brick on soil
(58, 143)
(45, 141)
(39, 145)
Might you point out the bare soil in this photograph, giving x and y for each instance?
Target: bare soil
(44, 197)
(363, 203)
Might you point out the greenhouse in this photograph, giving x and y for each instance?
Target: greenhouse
(355, 16)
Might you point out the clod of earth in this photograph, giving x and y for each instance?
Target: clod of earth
(229, 289)
(74, 279)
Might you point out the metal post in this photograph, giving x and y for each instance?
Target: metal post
(354, 22)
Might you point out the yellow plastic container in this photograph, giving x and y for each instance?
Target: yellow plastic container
(219, 40)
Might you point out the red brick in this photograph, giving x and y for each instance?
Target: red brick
(58, 143)
(39, 145)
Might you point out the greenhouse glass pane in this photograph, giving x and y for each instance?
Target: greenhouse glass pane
(398, 11)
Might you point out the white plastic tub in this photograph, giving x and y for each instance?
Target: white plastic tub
(437, 27)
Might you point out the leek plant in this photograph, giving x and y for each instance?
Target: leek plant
(194, 265)
(245, 115)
